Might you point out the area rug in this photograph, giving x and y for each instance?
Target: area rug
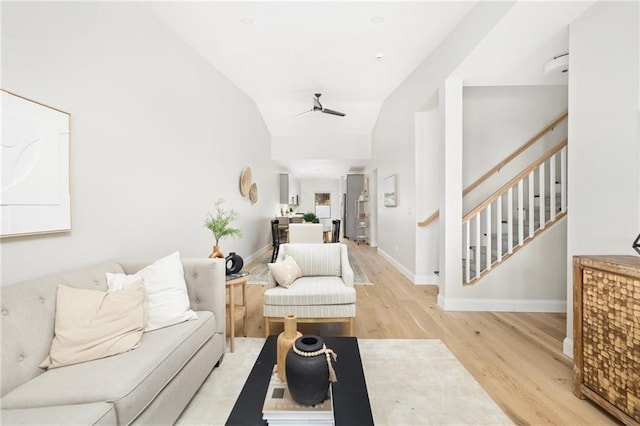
(410, 382)
(260, 272)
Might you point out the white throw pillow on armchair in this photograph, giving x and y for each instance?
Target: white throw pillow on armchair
(167, 297)
(285, 272)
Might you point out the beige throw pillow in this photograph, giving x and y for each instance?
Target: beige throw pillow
(285, 272)
(92, 324)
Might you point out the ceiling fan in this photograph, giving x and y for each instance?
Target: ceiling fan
(317, 106)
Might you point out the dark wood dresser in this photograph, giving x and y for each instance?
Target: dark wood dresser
(606, 333)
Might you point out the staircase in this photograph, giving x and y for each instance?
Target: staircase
(524, 207)
(520, 210)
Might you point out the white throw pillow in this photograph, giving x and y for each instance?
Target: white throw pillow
(92, 324)
(167, 297)
(285, 272)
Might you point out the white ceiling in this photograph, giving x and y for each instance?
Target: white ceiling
(280, 53)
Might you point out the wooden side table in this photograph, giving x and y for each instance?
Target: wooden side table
(234, 310)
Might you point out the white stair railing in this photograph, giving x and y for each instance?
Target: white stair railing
(540, 193)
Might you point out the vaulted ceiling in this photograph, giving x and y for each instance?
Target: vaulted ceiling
(355, 54)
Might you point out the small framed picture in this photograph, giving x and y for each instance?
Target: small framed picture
(390, 195)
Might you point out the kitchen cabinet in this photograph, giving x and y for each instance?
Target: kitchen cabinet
(289, 190)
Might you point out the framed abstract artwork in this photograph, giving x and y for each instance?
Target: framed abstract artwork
(390, 195)
(35, 147)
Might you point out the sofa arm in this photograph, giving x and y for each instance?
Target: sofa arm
(347, 272)
(206, 285)
(271, 282)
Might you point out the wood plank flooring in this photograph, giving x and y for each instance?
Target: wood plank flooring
(516, 357)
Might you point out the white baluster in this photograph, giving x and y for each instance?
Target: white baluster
(563, 179)
(532, 204)
(478, 251)
(467, 260)
(520, 214)
(510, 220)
(488, 232)
(499, 227)
(541, 195)
(552, 187)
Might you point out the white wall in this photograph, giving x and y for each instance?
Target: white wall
(157, 136)
(497, 121)
(604, 135)
(393, 137)
(427, 160)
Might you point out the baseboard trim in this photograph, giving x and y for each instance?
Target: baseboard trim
(426, 279)
(502, 305)
(567, 347)
(404, 271)
(256, 254)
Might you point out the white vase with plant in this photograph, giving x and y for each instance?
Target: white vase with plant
(220, 225)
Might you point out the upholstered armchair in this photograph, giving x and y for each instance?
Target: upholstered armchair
(321, 291)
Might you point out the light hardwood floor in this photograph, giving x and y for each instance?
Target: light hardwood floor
(516, 357)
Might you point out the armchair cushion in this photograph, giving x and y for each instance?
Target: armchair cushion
(310, 291)
(316, 259)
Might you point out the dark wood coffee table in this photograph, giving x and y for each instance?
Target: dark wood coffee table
(350, 397)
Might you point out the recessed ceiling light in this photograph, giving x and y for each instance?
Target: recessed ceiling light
(379, 56)
(246, 21)
(377, 19)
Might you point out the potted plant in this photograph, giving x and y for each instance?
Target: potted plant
(219, 225)
(309, 217)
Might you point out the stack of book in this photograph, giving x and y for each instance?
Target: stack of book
(237, 275)
(280, 409)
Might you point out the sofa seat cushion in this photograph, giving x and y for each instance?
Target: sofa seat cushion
(310, 291)
(130, 381)
(316, 259)
(99, 414)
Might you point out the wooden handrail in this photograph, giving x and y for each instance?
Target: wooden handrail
(430, 219)
(515, 180)
(495, 169)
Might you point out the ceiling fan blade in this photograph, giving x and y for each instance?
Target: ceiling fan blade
(305, 112)
(330, 111)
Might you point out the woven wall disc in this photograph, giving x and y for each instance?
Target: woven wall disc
(253, 193)
(245, 181)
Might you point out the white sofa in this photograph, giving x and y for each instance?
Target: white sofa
(148, 385)
(324, 293)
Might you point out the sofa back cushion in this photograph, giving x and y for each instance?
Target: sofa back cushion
(316, 259)
(28, 314)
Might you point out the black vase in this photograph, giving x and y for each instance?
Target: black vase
(307, 376)
(236, 263)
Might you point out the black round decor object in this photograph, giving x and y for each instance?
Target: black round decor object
(308, 376)
(236, 263)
